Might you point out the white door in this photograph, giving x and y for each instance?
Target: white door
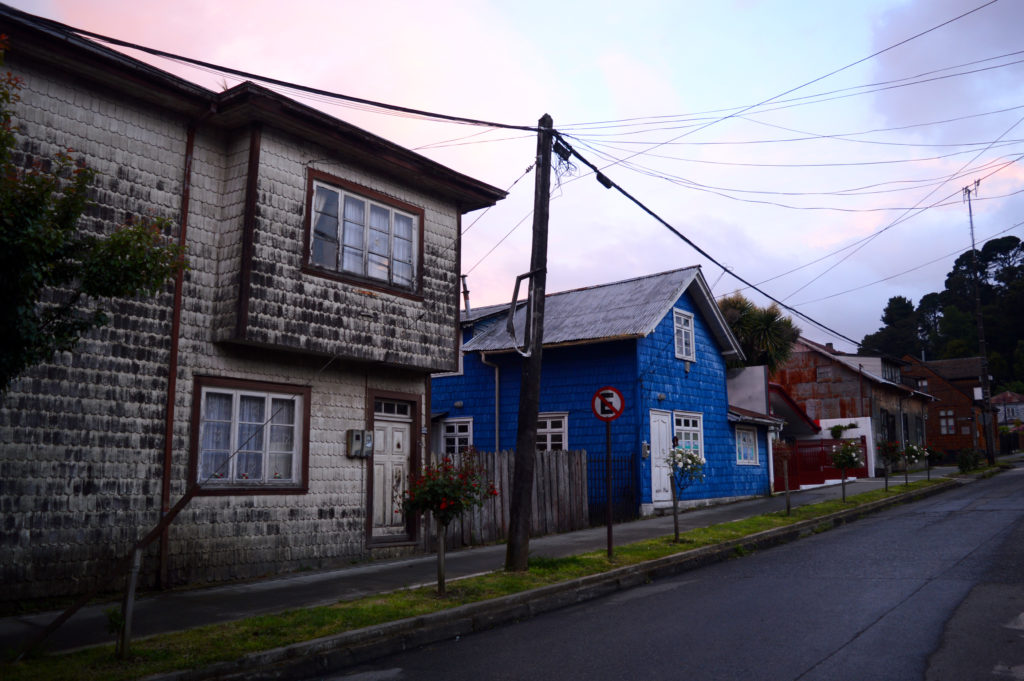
(661, 442)
(391, 455)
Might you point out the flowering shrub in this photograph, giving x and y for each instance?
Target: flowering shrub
(448, 490)
(890, 452)
(687, 466)
(847, 455)
(913, 453)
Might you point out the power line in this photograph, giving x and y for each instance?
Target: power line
(611, 184)
(281, 83)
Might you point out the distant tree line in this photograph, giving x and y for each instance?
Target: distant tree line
(943, 325)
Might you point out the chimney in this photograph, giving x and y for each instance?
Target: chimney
(465, 292)
(830, 347)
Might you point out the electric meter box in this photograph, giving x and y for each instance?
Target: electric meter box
(359, 444)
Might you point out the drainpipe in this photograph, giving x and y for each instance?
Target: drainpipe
(497, 403)
(172, 364)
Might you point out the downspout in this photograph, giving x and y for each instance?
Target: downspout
(172, 364)
(497, 403)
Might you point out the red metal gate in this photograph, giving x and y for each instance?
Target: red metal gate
(810, 464)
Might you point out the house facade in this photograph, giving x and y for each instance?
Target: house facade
(320, 296)
(661, 342)
(954, 418)
(836, 388)
(1009, 408)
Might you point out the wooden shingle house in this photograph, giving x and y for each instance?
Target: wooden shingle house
(659, 340)
(321, 296)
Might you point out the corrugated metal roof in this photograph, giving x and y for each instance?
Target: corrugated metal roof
(623, 309)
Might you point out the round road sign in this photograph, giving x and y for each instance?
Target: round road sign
(608, 404)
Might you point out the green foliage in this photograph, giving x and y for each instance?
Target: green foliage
(687, 467)
(969, 459)
(847, 455)
(448, 490)
(765, 335)
(58, 281)
(837, 430)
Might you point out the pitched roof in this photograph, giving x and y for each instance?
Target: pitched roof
(1007, 397)
(741, 415)
(619, 310)
(956, 369)
(852, 363)
(48, 42)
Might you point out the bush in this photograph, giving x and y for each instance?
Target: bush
(968, 459)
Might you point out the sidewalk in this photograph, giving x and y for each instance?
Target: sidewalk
(172, 611)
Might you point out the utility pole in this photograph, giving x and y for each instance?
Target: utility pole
(986, 392)
(520, 504)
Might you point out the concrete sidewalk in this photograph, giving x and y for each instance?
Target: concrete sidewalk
(177, 610)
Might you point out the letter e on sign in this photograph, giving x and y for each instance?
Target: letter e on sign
(608, 404)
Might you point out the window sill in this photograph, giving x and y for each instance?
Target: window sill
(249, 490)
(372, 284)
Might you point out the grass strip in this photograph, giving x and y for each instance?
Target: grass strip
(203, 646)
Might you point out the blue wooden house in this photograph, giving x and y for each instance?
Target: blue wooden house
(661, 341)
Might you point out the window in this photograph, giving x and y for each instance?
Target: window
(689, 432)
(552, 432)
(947, 425)
(746, 445)
(250, 435)
(922, 384)
(456, 435)
(684, 335)
(352, 234)
(824, 373)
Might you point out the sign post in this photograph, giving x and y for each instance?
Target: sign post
(607, 405)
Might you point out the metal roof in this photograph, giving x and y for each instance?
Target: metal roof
(623, 309)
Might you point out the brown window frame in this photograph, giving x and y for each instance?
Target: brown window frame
(416, 291)
(300, 486)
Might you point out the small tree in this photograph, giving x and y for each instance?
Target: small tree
(447, 490)
(685, 468)
(845, 456)
(890, 452)
(57, 280)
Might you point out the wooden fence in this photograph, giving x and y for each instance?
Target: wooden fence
(559, 499)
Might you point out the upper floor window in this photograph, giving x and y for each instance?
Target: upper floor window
(552, 432)
(947, 424)
(683, 322)
(363, 235)
(250, 435)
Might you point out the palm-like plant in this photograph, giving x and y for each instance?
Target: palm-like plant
(766, 336)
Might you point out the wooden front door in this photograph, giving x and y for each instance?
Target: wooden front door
(392, 457)
(661, 442)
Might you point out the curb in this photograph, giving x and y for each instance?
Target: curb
(334, 653)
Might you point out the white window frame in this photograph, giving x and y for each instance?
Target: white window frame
(363, 243)
(549, 433)
(687, 429)
(947, 422)
(683, 334)
(240, 445)
(456, 436)
(746, 450)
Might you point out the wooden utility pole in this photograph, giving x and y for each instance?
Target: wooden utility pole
(986, 391)
(521, 501)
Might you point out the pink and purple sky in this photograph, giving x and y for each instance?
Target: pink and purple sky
(773, 190)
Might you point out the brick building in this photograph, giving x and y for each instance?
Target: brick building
(954, 418)
(321, 295)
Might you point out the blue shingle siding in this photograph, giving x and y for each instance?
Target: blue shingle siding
(640, 369)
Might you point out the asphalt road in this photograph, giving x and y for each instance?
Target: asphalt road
(931, 590)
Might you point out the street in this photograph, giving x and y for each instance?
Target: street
(931, 590)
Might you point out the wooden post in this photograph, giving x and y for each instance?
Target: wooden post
(518, 550)
(128, 606)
